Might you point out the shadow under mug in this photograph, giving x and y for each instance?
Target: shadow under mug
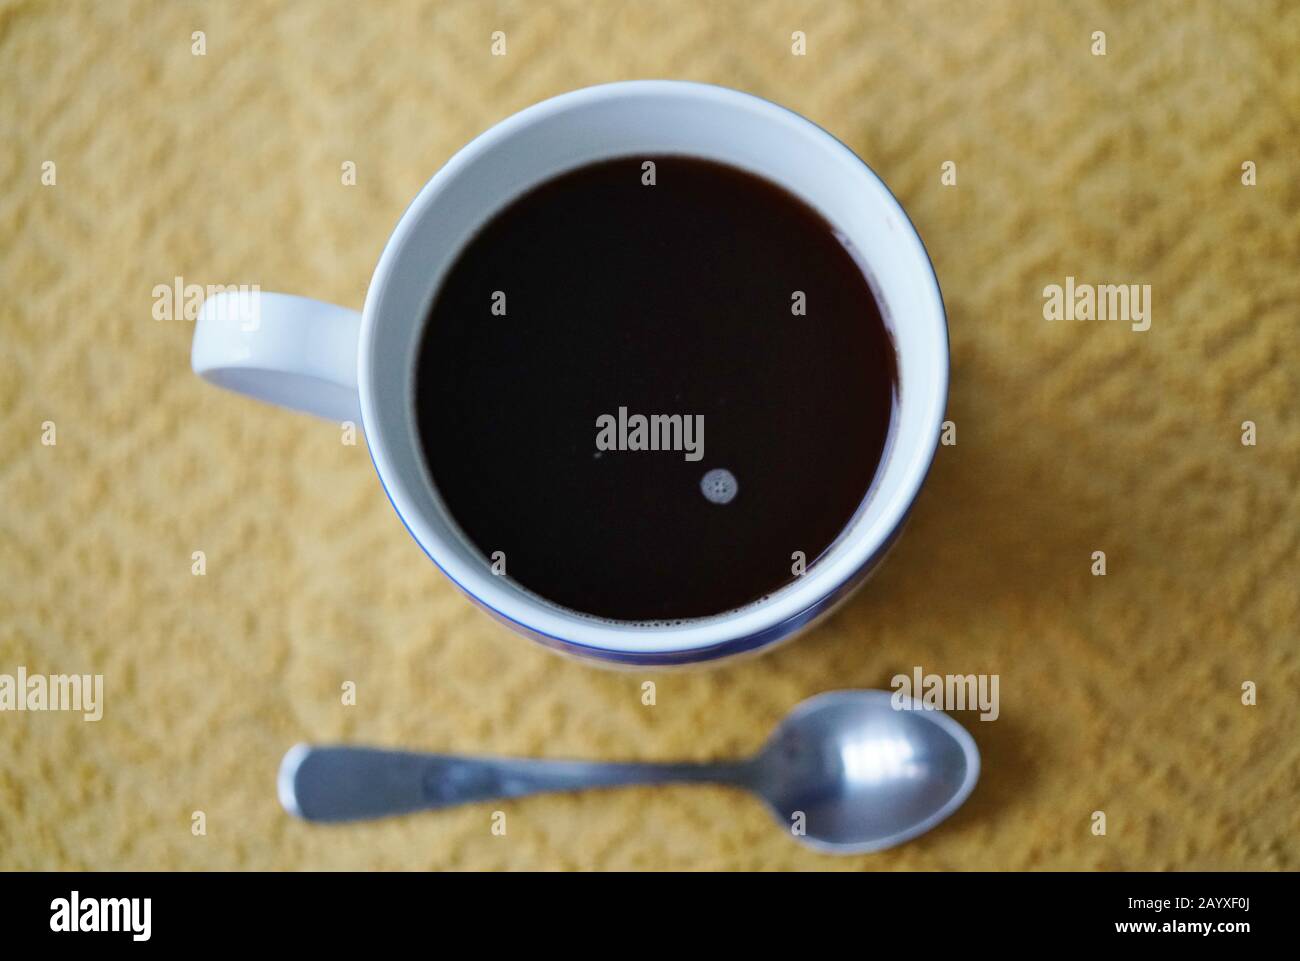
(336, 363)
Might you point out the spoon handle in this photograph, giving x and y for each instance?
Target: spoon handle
(354, 783)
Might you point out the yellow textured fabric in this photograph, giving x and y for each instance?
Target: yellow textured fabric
(1120, 693)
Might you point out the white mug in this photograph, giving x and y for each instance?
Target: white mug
(339, 364)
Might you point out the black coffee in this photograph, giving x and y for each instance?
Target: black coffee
(653, 399)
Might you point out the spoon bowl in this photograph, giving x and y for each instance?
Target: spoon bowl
(865, 775)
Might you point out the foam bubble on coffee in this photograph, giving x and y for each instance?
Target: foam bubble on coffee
(719, 486)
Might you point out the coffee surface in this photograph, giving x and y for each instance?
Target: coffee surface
(712, 298)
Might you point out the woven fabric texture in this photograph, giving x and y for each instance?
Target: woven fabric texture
(1120, 693)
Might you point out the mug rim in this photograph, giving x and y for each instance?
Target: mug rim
(756, 625)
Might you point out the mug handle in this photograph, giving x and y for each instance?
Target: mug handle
(292, 351)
